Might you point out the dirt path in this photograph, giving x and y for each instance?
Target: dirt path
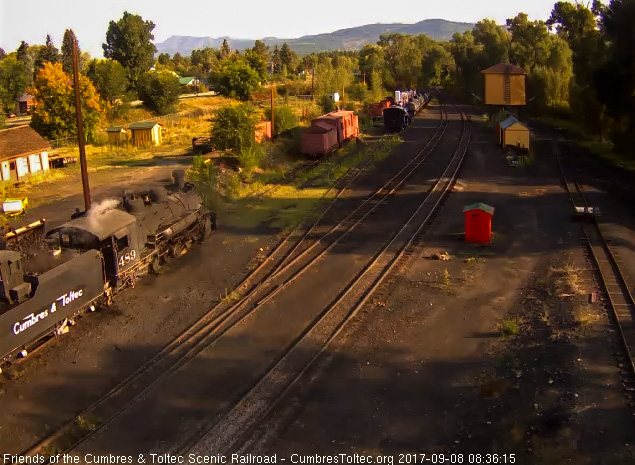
(429, 370)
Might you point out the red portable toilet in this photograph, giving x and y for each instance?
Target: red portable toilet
(478, 223)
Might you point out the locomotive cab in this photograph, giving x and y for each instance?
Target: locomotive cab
(113, 233)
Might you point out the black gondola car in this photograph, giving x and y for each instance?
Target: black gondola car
(396, 118)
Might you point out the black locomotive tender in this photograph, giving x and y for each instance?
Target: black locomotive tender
(47, 280)
(399, 115)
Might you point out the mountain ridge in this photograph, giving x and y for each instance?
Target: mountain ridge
(353, 38)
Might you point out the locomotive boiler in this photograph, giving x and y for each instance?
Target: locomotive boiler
(85, 262)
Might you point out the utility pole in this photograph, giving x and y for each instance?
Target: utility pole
(272, 130)
(80, 130)
(313, 78)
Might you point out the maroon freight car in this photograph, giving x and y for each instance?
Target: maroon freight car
(318, 140)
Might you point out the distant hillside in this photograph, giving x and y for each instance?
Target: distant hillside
(345, 39)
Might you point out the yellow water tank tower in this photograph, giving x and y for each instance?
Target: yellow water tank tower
(505, 85)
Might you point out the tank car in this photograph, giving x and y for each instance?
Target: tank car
(85, 262)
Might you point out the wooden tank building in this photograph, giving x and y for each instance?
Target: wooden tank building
(505, 85)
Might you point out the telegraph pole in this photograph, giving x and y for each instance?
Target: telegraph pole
(272, 130)
(80, 129)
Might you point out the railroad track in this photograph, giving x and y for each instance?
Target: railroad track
(236, 428)
(616, 296)
(219, 319)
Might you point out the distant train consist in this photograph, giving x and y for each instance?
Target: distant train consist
(47, 280)
(328, 132)
(405, 106)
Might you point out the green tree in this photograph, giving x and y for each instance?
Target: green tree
(129, 41)
(67, 50)
(530, 42)
(159, 91)
(495, 42)
(288, 58)
(615, 81)
(437, 67)
(47, 54)
(258, 63)
(225, 49)
(22, 52)
(237, 79)
(14, 79)
(164, 59)
(54, 115)
(285, 119)
(261, 49)
(275, 58)
(3, 54)
(109, 78)
(233, 128)
(577, 25)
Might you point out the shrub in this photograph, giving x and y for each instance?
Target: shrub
(326, 104)
(159, 91)
(233, 127)
(204, 176)
(250, 157)
(284, 119)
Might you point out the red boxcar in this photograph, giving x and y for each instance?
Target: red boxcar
(329, 131)
(346, 123)
(375, 110)
(318, 140)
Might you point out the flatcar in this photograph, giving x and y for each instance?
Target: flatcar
(84, 263)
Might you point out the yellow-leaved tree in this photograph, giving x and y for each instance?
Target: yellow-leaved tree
(54, 114)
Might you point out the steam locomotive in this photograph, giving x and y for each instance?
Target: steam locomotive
(46, 280)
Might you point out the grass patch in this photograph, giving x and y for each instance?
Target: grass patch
(584, 315)
(85, 424)
(233, 296)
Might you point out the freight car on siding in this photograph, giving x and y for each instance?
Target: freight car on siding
(328, 132)
(395, 118)
(92, 258)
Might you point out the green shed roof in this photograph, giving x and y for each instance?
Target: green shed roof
(185, 80)
(480, 206)
(146, 125)
(115, 129)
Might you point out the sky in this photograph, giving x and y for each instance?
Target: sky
(252, 19)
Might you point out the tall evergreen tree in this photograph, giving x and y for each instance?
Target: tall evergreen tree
(225, 50)
(129, 41)
(47, 54)
(22, 52)
(3, 54)
(67, 51)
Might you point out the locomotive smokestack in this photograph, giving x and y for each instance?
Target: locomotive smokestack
(179, 178)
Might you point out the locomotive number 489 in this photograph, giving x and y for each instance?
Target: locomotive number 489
(127, 258)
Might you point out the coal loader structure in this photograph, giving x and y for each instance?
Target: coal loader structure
(82, 264)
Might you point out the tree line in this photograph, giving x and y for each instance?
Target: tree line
(580, 64)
